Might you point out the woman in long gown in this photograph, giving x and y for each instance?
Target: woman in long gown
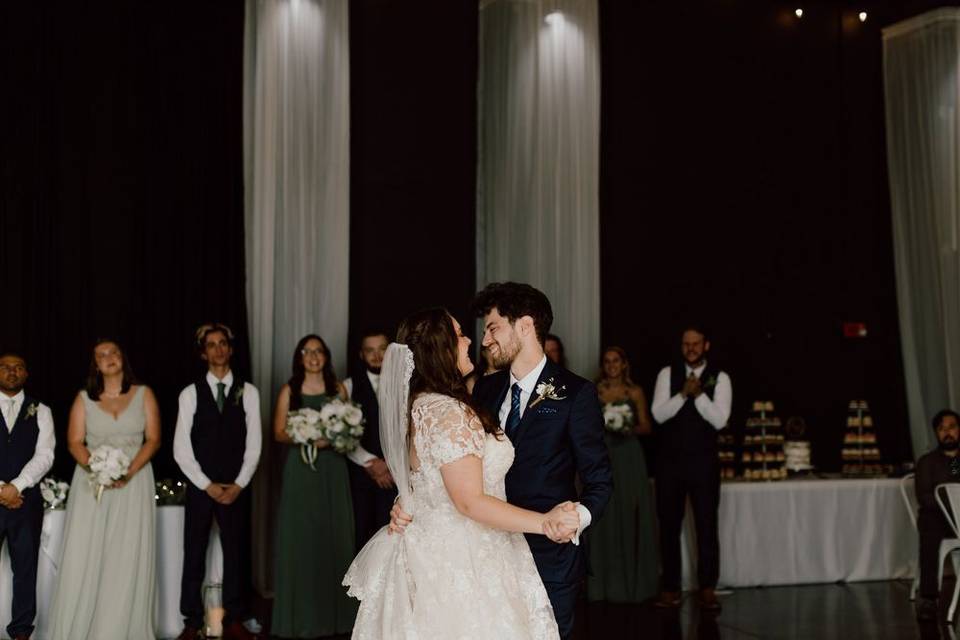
(315, 539)
(623, 552)
(106, 584)
(462, 568)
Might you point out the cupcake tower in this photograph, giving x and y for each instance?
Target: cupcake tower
(763, 457)
(728, 454)
(860, 453)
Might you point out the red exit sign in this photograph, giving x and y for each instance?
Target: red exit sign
(854, 329)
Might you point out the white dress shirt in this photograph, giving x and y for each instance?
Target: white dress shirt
(716, 411)
(183, 447)
(527, 386)
(42, 459)
(361, 456)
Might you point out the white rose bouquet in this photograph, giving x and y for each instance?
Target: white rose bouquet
(339, 422)
(343, 424)
(106, 465)
(54, 493)
(304, 427)
(618, 417)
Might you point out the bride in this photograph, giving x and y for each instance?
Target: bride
(462, 569)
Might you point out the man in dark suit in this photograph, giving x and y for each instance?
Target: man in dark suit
(554, 421)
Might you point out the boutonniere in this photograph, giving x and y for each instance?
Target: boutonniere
(546, 390)
(32, 410)
(710, 383)
(238, 395)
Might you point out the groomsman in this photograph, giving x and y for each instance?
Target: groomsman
(217, 445)
(691, 402)
(26, 454)
(370, 481)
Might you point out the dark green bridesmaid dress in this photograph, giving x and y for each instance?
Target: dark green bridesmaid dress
(623, 551)
(315, 545)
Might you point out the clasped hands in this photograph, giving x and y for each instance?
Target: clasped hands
(10, 497)
(561, 523)
(224, 493)
(692, 387)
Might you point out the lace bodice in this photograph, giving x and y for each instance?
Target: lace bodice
(444, 432)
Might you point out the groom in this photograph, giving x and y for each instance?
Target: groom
(554, 421)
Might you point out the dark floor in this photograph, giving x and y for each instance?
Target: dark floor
(865, 610)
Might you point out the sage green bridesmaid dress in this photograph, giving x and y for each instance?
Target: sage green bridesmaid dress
(107, 580)
(315, 545)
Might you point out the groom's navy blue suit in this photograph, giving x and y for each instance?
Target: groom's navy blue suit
(555, 440)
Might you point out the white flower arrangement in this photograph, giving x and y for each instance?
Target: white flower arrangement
(32, 410)
(547, 390)
(339, 422)
(54, 493)
(106, 465)
(618, 417)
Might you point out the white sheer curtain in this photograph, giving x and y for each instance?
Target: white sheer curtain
(921, 59)
(539, 160)
(296, 157)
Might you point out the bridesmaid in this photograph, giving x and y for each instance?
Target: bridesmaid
(315, 541)
(623, 551)
(106, 584)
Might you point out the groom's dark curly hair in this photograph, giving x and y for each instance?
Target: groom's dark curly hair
(513, 300)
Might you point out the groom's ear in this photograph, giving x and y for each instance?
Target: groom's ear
(526, 326)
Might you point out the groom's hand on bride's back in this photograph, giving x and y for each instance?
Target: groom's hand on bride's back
(562, 522)
(399, 519)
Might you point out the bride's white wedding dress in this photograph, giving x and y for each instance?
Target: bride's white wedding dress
(448, 577)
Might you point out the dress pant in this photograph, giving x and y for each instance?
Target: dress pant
(933, 528)
(234, 523)
(371, 505)
(21, 530)
(696, 476)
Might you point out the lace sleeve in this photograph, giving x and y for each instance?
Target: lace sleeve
(453, 432)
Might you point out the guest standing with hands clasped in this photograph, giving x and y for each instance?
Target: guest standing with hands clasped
(107, 580)
(315, 534)
(26, 454)
(217, 445)
(691, 402)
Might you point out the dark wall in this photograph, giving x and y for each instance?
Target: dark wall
(121, 196)
(413, 159)
(743, 184)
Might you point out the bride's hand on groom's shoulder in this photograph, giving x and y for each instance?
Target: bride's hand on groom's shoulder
(399, 519)
(561, 522)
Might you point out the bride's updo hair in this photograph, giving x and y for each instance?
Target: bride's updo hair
(430, 335)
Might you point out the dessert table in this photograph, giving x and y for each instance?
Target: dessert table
(169, 542)
(809, 531)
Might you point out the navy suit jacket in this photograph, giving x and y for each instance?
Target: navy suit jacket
(556, 440)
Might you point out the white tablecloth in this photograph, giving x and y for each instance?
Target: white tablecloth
(809, 531)
(169, 566)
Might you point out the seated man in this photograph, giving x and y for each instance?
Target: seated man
(937, 467)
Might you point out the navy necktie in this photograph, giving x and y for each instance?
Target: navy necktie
(513, 418)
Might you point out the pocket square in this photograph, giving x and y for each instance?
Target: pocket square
(543, 410)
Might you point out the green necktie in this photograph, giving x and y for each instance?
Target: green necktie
(220, 398)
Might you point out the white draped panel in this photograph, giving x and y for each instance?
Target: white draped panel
(539, 160)
(921, 59)
(296, 161)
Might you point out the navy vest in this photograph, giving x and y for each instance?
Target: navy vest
(364, 395)
(18, 446)
(219, 439)
(688, 433)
